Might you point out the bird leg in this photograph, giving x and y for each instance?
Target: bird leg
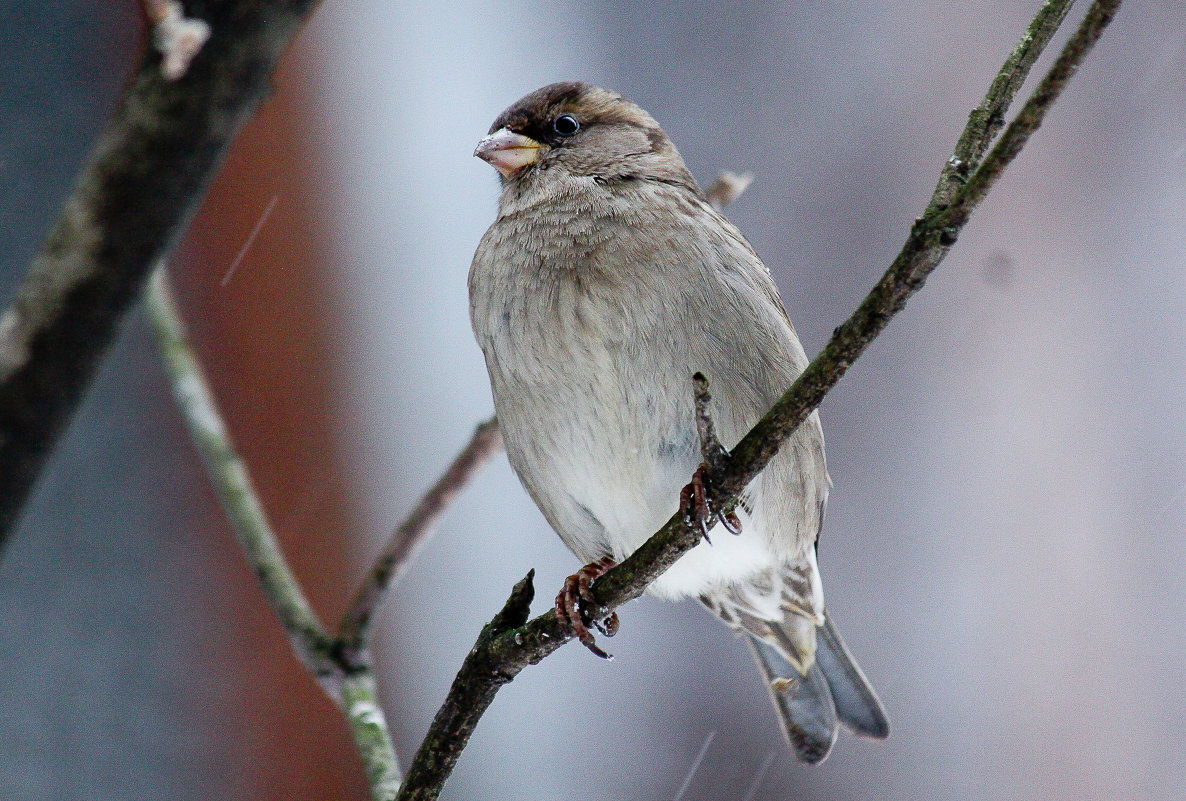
(577, 590)
(698, 511)
(694, 500)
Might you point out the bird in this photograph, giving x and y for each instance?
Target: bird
(606, 281)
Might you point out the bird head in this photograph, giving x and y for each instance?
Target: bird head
(580, 130)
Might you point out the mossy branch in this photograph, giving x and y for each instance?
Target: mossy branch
(345, 674)
(144, 180)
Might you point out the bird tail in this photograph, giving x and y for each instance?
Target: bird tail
(833, 690)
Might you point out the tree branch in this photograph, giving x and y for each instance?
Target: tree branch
(726, 188)
(986, 120)
(232, 483)
(497, 658)
(145, 178)
(930, 238)
(341, 665)
(414, 531)
(349, 682)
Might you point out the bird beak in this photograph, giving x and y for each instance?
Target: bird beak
(507, 151)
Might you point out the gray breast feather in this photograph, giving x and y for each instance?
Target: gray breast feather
(591, 346)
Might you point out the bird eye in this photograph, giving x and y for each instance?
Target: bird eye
(566, 125)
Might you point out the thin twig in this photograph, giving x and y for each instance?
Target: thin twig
(1031, 115)
(930, 238)
(232, 482)
(986, 119)
(359, 702)
(350, 684)
(455, 720)
(496, 660)
(414, 531)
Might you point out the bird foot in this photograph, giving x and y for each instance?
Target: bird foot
(698, 512)
(576, 594)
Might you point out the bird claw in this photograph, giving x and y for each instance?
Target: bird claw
(577, 591)
(731, 523)
(698, 511)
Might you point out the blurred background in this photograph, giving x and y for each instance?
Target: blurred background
(1004, 547)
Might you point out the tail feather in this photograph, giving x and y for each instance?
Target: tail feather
(857, 704)
(811, 706)
(804, 704)
(814, 682)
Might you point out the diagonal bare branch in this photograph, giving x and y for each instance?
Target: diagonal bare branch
(232, 483)
(414, 531)
(986, 119)
(349, 682)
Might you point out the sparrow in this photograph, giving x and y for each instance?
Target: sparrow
(605, 283)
